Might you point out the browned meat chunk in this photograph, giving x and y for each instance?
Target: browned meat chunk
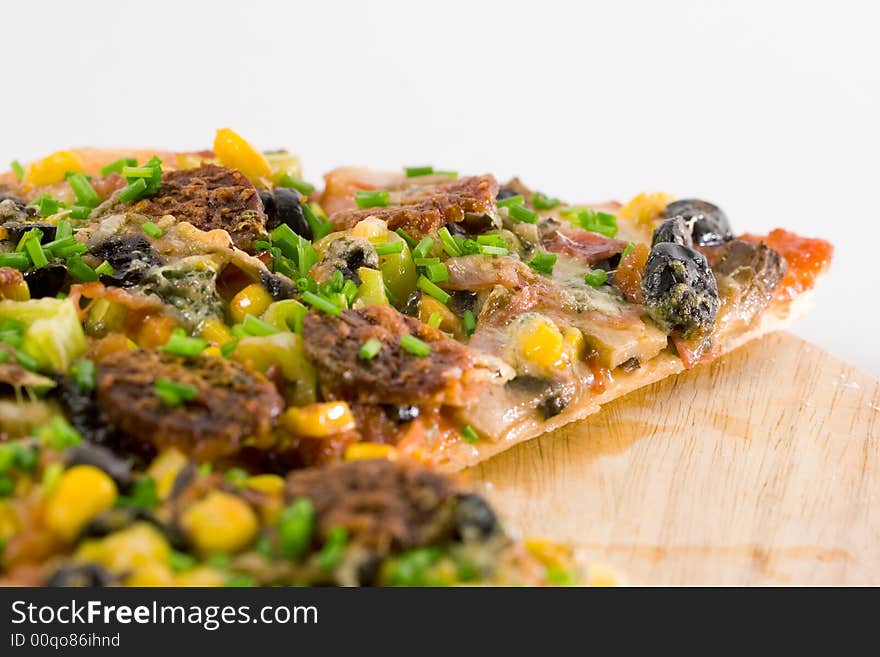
(393, 376)
(383, 505)
(422, 210)
(210, 197)
(231, 404)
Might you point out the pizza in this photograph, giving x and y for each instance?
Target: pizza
(197, 347)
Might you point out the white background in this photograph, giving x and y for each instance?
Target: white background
(769, 109)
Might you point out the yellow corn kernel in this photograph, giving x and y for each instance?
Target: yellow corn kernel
(367, 451)
(16, 290)
(601, 574)
(200, 576)
(154, 574)
(165, 468)
(371, 228)
(645, 207)
(51, 169)
(269, 484)
(220, 522)
(318, 420)
(574, 343)
(550, 553)
(539, 345)
(137, 546)
(213, 351)
(9, 522)
(252, 300)
(213, 330)
(81, 493)
(236, 153)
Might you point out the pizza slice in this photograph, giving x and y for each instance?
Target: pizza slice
(229, 310)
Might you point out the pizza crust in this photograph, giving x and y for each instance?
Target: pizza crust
(461, 454)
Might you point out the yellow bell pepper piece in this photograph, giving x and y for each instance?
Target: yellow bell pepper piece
(236, 153)
(643, 208)
(285, 349)
(80, 494)
(51, 169)
(220, 522)
(319, 420)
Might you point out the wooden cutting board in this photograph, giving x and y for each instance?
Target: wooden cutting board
(761, 468)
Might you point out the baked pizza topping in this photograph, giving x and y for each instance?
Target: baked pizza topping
(184, 311)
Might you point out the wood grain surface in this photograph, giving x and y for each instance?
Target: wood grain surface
(762, 468)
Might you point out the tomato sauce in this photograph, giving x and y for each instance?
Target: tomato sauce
(806, 257)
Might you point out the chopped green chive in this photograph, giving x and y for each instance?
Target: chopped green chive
(26, 360)
(592, 220)
(104, 269)
(80, 270)
(58, 434)
(80, 211)
(544, 202)
(174, 394)
(68, 250)
(59, 243)
(423, 248)
(415, 172)
(180, 562)
(409, 239)
(227, 349)
(543, 263)
(143, 494)
(469, 320)
(469, 434)
(84, 374)
(596, 277)
(15, 260)
(448, 174)
(296, 524)
(349, 291)
(370, 349)
(627, 250)
(301, 186)
(447, 241)
(181, 344)
(378, 198)
(424, 262)
(152, 229)
(137, 172)
(46, 206)
(27, 236)
(491, 239)
(437, 272)
(63, 229)
(82, 189)
(429, 288)
(486, 249)
(257, 327)
(414, 346)
(333, 549)
(319, 225)
(389, 248)
(17, 169)
(511, 201)
(133, 190)
(118, 165)
(321, 303)
(523, 214)
(435, 320)
(36, 254)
